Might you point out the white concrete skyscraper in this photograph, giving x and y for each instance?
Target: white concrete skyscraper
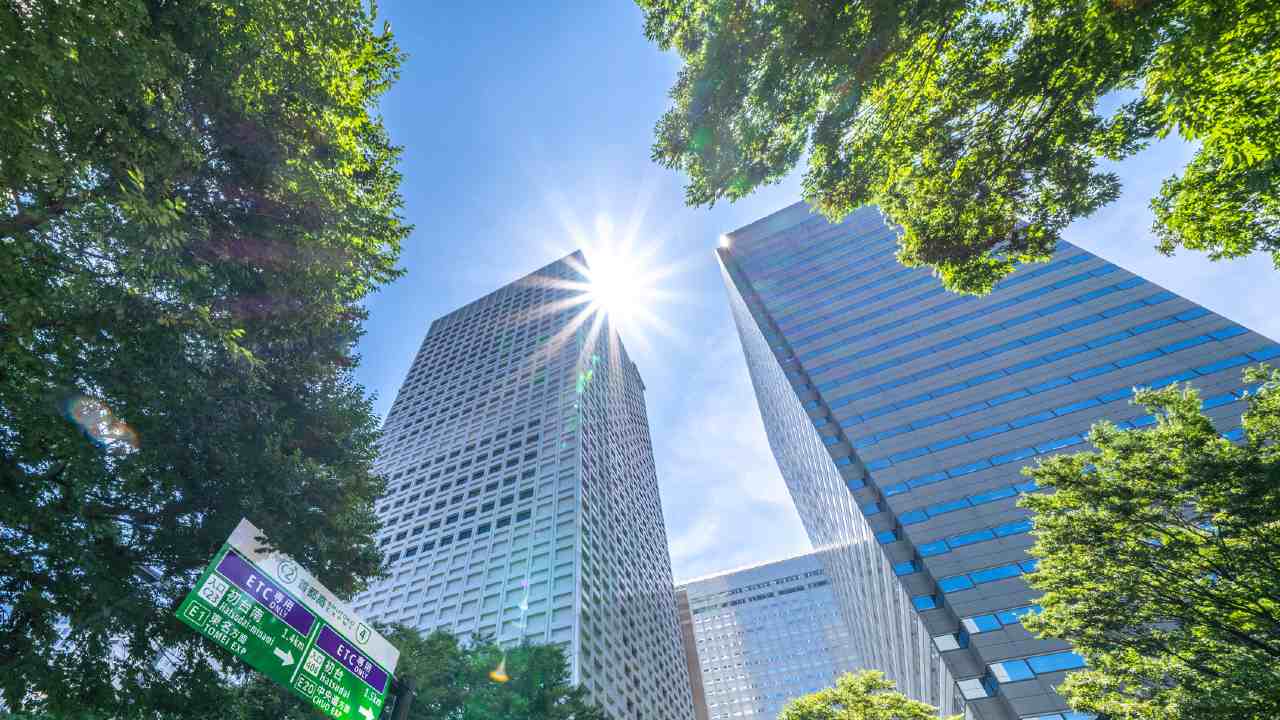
(522, 500)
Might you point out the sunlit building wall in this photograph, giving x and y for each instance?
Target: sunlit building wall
(522, 502)
(763, 636)
(901, 416)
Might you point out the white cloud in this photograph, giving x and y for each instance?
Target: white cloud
(725, 502)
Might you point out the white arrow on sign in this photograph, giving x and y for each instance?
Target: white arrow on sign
(366, 712)
(286, 657)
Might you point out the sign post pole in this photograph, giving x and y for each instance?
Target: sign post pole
(405, 693)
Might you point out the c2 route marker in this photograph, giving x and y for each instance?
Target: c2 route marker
(273, 615)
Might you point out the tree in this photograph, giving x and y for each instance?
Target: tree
(536, 686)
(864, 695)
(1160, 562)
(195, 198)
(978, 126)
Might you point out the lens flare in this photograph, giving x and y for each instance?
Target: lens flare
(499, 674)
(99, 424)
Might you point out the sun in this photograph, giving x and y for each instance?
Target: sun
(622, 282)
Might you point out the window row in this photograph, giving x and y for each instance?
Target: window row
(946, 545)
(783, 311)
(781, 252)
(1218, 335)
(1013, 344)
(784, 289)
(1045, 416)
(987, 308)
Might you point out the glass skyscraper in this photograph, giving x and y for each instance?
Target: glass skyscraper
(761, 636)
(901, 416)
(522, 502)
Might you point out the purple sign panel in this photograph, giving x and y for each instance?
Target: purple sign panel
(352, 659)
(251, 580)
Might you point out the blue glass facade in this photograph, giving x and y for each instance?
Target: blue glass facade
(926, 405)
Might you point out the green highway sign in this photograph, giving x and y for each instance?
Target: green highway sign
(273, 615)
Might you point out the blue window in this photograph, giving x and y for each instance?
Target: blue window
(1114, 395)
(1056, 444)
(970, 468)
(1265, 353)
(969, 538)
(905, 568)
(912, 517)
(1223, 364)
(1217, 401)
(871, 508)
(947, 507)
(930, 421)
(992, 496)
(1031, 419)
(939, 446)
(1073, 407)
(886, 536)
(1228, 332)
(908, 454)
(1012, 671)
(1014, 615)
(982, 623)
(1001, 399)
(1014, 456)
(1048, 385)
(988, 432)
(1013, 528)
(1188, 343)
(1135, 359)
(1092, 372)
(856, 483)
(1024, 365)
(933, 548)
(925, 602)
(1055, 662)
(968, 409)
(927, 479)
(996, 573)
(895, 489)
(1029, 565)
(1171, 379)
(955, 583)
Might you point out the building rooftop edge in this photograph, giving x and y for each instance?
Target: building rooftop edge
(753, 566)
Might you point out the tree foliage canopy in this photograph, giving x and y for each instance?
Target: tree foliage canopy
(1160, 562)
(978, 126)
(864, 695)
(194, 199)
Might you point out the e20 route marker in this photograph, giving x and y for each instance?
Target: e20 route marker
(273, 615)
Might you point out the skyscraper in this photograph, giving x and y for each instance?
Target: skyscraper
(901, 416)
(522, 502)
(759, 637)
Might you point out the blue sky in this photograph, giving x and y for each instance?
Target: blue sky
(523, 123)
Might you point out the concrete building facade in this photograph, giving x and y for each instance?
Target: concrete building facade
(522, 501)
(901, 416)
(762, 636)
